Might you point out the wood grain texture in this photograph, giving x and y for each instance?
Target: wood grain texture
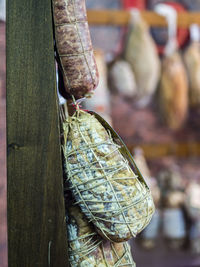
(36, 226)
(122, 17)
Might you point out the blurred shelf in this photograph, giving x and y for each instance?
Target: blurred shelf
(122, 18)
(152, 151)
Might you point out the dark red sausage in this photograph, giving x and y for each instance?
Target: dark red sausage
(74, 47)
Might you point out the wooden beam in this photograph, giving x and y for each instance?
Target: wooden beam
(122, 18)
(36, 225)
(152, 151)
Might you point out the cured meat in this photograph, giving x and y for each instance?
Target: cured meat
(173, 91)
(192, 62)
(122, 78)
(74, 47)
(141, 53)
(99, 174)
(87, 248)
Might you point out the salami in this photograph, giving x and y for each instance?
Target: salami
(101, 176)
(87, 248)
(74, 47)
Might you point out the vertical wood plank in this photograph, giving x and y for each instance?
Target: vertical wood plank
(36, 226)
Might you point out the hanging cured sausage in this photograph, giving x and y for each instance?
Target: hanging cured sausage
(173, 92)
(74, 48)
(142, 55)
(192, 62)
(122, 79)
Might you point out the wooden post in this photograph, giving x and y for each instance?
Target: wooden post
(36, 226)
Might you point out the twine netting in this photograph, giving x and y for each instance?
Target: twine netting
(101, 180)
(87, 248)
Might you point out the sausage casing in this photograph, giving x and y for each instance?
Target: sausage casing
(74, 47)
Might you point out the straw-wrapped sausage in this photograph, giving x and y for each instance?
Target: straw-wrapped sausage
(87, 248)
(113, 197)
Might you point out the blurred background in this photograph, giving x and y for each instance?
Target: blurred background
(149, 91)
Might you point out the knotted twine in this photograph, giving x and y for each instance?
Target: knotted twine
(101, 180)
(87, 248)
